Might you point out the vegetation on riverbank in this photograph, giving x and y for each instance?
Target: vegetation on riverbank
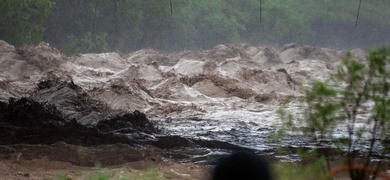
(76, 26)
(357, 96)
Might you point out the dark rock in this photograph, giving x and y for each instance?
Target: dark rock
(29, 122)
(73, 102)
(136, 120)
(170, 142)
(29, 113)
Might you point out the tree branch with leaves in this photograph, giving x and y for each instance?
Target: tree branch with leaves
(357, 94)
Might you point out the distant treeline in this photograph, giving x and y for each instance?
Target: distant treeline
(79, 26)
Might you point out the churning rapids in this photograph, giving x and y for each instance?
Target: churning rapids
(192, 106)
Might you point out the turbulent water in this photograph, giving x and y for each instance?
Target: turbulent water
(228, 94)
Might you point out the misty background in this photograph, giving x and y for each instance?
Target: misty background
(81, 26)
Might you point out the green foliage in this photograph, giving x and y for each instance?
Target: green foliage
(107, 173)
(112, 24)
(357, 88)
(321, 111)
(313, 168)
(98, 175)
(185, 24)
(61, 176)
(282, 24)
(277, 135)
(21, 21)
(163, 29)
(150, 174)
(128, 25)
(87, 44)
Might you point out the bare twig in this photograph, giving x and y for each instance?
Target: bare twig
(358, 12)
(170, 4)
(261, 10)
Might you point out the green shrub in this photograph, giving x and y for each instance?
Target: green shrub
(357, 94)
(89, 43)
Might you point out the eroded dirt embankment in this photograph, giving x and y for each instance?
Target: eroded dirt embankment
(181, 105)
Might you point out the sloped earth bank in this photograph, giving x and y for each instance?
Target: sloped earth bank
(192, 106)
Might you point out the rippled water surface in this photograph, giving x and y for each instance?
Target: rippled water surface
(252, 130)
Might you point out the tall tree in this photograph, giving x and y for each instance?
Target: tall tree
(22, 21)
(93, 26)
(127, 25)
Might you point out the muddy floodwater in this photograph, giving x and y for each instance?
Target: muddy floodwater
(253, 131)
(192, 106)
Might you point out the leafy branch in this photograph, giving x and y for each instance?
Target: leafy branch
(357, 93)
